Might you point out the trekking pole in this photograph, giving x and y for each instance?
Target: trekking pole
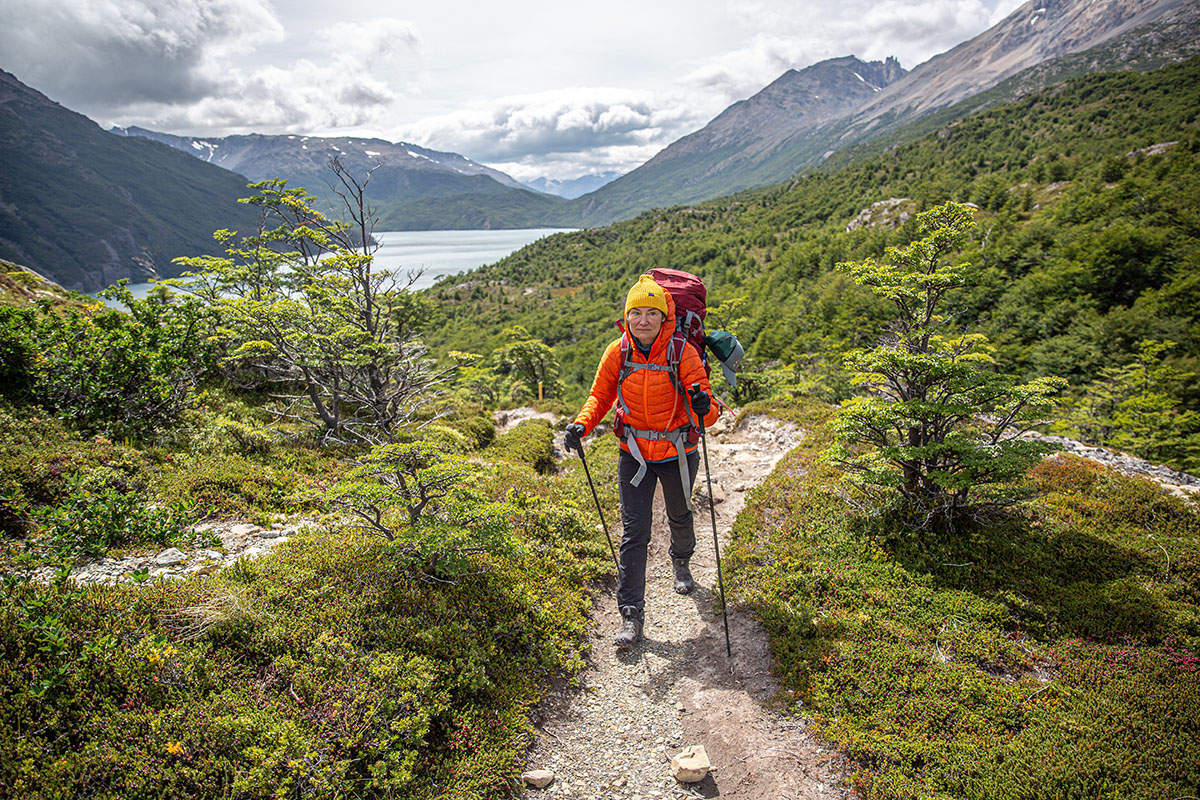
(712, 510)
(599, 510)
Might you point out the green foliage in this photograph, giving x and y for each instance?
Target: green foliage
(413, 494)
(1052, 650)
(91, 522)
(301, 303)
(319, 671)
(106, 371)
(42, 462)
(1071, 275)
(225, 484)
(530, 443)
(1137, 407)
(939, 424)
(529, 364)
(474, 422)
(323, 669)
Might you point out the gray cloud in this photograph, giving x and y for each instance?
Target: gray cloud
(106, 54)
(566, 122)
(189, 66)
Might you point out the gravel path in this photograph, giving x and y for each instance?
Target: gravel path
(615, 735)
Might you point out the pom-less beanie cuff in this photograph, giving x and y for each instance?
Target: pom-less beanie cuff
(646, 294)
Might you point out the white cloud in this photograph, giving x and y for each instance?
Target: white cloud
(486, 81)
(554, 124)
(797, 35)
(110, 53)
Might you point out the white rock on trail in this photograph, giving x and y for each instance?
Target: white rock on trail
(538, 778)
(691, 765)
(170, 557)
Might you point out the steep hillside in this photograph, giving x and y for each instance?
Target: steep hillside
(697, 167)
(411, 187)
(81, 205)
(726, 155)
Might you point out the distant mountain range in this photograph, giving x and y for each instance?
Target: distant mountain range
(86, 208)
(805, 116)
(411, 187)
(574, 187)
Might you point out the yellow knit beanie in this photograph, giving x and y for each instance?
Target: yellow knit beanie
(646, 293)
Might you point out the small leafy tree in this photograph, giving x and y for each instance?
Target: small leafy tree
(302, 304)
(1136, 407)
(937, 421)
(528, 361)
(414, 494)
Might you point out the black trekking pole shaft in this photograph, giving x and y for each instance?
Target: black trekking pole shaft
(599, 510)
(712, 510)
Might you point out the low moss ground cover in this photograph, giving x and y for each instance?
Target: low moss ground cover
(331, 668)
(1051, 651)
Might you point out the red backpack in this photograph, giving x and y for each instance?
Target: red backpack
(689, 294)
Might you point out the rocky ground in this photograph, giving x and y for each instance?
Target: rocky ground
(237, 540)
(614, 736)
(1174, 481)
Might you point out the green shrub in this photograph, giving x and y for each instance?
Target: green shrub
(116, 373)
(341, 679)
(530, 443)
(42, 460)
(415, 495)
(231, 485)
(1046, 651)
(17, 352)
(91, 522)
(474, 422)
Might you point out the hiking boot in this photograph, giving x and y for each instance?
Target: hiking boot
(683, 576)
(631, 629)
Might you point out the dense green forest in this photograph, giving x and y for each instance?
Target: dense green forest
(1088, 233)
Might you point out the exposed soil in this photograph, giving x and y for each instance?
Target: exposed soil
(615, 735)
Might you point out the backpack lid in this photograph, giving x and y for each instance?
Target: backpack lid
(728, 350)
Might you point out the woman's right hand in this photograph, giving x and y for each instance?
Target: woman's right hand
(572, 437)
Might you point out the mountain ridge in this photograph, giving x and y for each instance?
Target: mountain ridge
(411, 187)
(712, 161)
(87, 208)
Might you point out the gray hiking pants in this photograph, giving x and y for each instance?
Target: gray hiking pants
(637, 505)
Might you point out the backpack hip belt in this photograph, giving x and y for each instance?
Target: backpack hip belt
(678, 437)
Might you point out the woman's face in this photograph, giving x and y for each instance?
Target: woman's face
(644, 323)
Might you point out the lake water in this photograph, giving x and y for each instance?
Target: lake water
(438, 253)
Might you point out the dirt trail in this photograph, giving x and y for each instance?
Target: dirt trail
(614, 737)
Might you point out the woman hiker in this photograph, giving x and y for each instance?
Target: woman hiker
(656, 417)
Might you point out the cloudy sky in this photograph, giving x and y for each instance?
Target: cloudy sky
(534, 88)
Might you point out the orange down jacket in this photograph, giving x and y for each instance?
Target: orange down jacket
(653, 402)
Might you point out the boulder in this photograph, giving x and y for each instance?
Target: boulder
(538, 778)
(170, 557)
(691, 765)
